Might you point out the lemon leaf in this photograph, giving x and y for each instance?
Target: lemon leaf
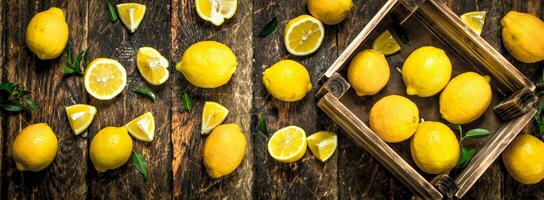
(268, 27)
(477, 133)
(146, 92)
(30, 104)
(187, 103)
(12, 107)
(139, 162)
(262, 126)
(466, 156)
(112, 12)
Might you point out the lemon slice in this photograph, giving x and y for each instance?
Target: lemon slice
(143, 127)
(303, 35)
(474, 20)
(322, 144)
(131, 15)
(213, 115)
(287, 144)
(80, 116)
(386, 44)
(105, 78)
(152, 65)
(216, 11)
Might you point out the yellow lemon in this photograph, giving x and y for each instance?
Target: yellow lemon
(386, 44)
(435, 148)
(465, 98)
(47, 33)
(303, 35)
(213, 115)
(522, 35)
(474, 20)
(110, 148)
(216, 11)
(322, 144)
(368, 72)
(152, 65)
(524, 159)
(208, 64)
(131, 14)
(104, 78)
(143, 127)
(35, 147)
(287, 144)
(80, 116)
(330, 12)
(426, 71)
(394, 118)
(287, 80)
(224, 150)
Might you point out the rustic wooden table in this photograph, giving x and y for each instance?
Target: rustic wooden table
(174, 157)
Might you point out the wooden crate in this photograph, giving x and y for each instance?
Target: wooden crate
(420, 23)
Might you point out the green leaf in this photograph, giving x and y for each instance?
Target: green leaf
(268, 27)
(466, 156)
(30, 104)
(86, 57)
(139, 162)
(12, 107)
(112, 12)
(69, 55)
(187, 103)
(262, 126)
(67, 70)
(145, 91)
(7, 87)
(456, 127)
(477, 133)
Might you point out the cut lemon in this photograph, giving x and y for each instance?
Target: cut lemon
(287, 144)
(131, 15)
(213, 115)
(303, 35)
(386, 44)
(105, 78)
(80, 116)
(474, 20)
(216, 11)
(143, 127)
(152, 65)
(322, 144)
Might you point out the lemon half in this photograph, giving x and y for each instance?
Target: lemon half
(216, 11)
(105, 78)
(213, 115)
(80, 116)
(131, 15)
(287, 144)
(152, 65)
(303, 35)
(143, 127)
(322, 144)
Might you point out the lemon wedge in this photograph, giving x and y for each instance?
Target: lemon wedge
(322, 144)
(386, 44)
(216, 11)
(105, 78)
(474, 20)
(152, 65)
(131, 14)
(143, 127)
(303, 35)
(287, 144)
(80, 116)
(213, 115)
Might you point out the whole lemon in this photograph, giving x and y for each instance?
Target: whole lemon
(47, 33)
(328, 11)
(110, 148)
(368, 72)
(435, 148)
(208, 64)
(394, 118)
(426, 71)
(524, 159)
(35, 148)
(224, 150)
(287, 80)
(465, 98)
(522, 35)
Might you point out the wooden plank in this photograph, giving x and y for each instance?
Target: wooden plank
(3, 51)
(114, 40)
(308, 177)
(51, 92)
(189, 175)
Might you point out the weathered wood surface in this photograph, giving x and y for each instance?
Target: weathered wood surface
(174, 157)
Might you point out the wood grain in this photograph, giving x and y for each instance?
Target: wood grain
(3, 51)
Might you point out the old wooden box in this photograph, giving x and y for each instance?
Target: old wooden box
(422, 23)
